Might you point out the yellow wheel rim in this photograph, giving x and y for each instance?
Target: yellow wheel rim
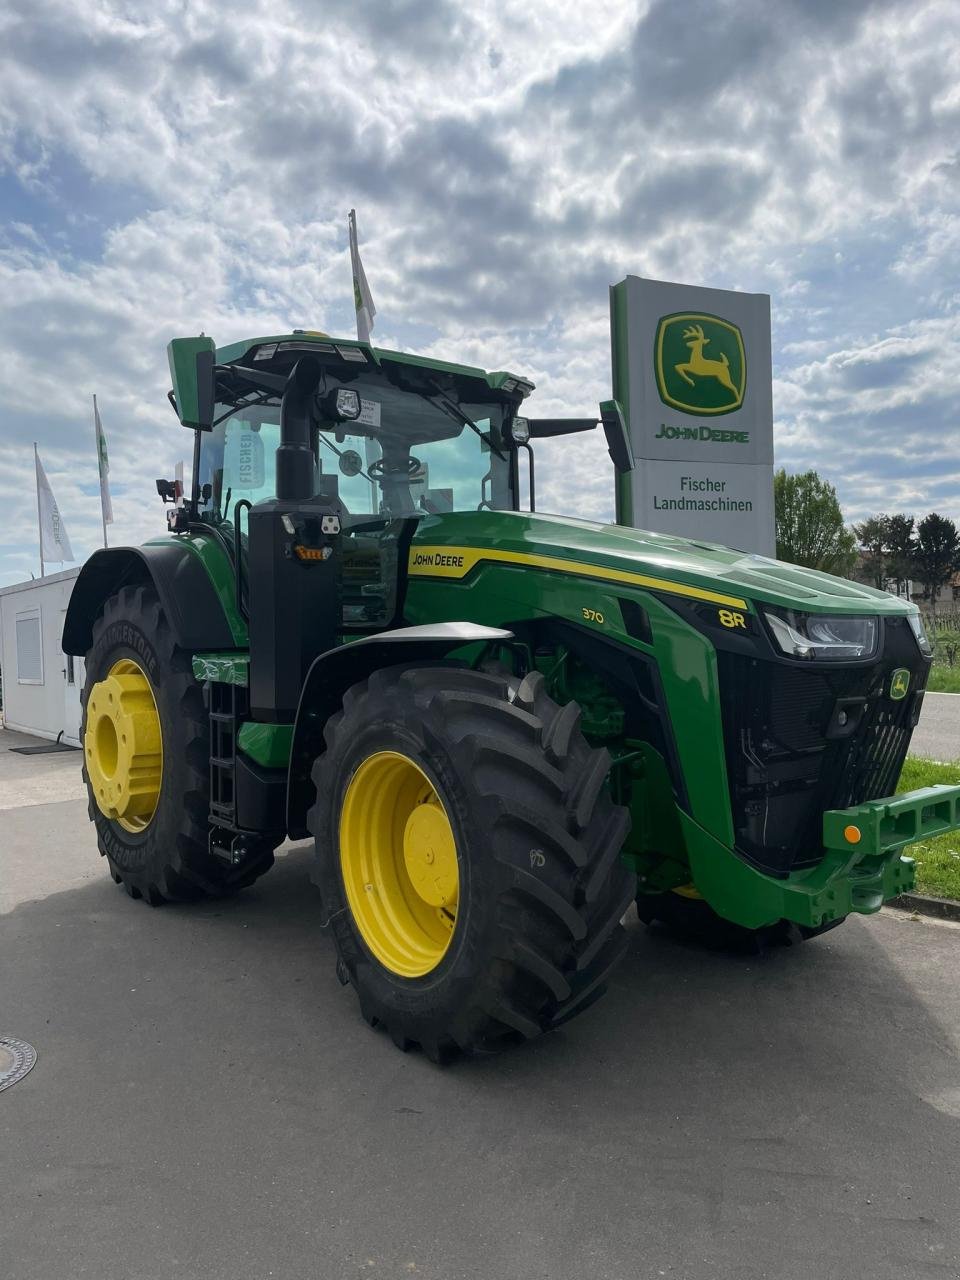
(688, 891)
(123, 746)
(398, 858)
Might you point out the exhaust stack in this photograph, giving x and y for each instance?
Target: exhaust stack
(294, 595)
(295, 463)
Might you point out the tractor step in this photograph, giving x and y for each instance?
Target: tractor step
(247, 801)
(233, 847)
(228, 705)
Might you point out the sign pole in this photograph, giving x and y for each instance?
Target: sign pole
(36, 477)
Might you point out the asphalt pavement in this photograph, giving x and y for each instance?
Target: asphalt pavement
(208, 1103)
(937, 736)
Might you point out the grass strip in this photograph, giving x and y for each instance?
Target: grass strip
(938, 860)
(944, 679)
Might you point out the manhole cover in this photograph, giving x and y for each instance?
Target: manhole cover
(16, 1059)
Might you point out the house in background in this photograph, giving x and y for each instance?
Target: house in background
(948, 597)
(41, 684)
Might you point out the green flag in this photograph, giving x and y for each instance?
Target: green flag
(106, 506)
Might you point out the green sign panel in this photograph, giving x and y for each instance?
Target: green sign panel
(899, 684)
(700, 363)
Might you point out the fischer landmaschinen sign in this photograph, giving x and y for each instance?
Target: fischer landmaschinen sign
(692, 370)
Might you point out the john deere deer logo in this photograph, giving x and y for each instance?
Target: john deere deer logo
(899, 684)
(700, 363)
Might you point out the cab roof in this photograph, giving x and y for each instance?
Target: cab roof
(251, 350)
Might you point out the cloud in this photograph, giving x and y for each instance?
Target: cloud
(887, 409)
(164, 171)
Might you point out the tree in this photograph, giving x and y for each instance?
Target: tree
(873, 537)
(901, 545)
(936, 557)
(810, 528)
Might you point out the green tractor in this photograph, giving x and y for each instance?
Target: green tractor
(500, 728)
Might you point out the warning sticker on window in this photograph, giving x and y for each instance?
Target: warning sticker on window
(369, 413)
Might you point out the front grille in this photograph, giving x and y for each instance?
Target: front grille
(787, 761)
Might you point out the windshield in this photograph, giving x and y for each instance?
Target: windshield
(408, 454)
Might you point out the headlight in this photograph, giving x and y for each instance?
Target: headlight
(920, 634)
(817, 636)
(519, 430)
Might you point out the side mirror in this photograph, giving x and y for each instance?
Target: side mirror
(618, 438)
(192, 370)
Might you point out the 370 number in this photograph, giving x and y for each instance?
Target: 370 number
(592, 615)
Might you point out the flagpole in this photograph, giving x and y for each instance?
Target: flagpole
(36, 477)
(96, 433)
(354, 255)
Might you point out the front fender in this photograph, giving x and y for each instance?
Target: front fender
(333, 673)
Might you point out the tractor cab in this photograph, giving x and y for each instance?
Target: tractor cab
(379, 439)
(389, 442)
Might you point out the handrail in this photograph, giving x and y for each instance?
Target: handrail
(238, 560)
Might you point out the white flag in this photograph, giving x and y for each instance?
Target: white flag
(362, 297)
(106, 506)
(54, 543)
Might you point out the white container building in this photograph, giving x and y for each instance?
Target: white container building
(41, 684)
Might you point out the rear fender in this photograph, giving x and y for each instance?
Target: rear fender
(334, 672)
(186, 593)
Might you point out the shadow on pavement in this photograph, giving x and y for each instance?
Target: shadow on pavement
(208, 1102)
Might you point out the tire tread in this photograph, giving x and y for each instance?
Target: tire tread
(185, 870)
(552, 831)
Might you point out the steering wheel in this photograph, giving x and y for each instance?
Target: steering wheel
(376, 470)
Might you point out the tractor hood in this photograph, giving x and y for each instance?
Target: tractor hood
(522, 538)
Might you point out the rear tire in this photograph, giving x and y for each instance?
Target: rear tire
(169, 858)
(541, 886)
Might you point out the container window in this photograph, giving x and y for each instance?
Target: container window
(29, 647)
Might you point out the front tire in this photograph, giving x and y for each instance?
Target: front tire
(155, 847)
(534, 900)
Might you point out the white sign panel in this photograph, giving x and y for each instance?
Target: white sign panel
(369, 413)
(710, 501)
(692, 370)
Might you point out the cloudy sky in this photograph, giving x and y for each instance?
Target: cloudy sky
(179, 166)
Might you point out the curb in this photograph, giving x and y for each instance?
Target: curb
(941, 908)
